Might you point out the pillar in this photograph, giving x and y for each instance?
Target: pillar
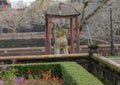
(3, 5)
(77, 35)
(71, 36)
(48, 36)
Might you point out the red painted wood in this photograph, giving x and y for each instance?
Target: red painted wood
(77, 35)
(71, 36)
(48, 32)
(62, 16)
(4, 5)
(48, 36)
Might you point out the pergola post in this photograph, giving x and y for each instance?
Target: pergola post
(71, 36)
(62, 11)
(48, 36)
(77, 34)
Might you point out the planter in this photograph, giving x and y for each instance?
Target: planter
(59, 73)
(93, 49)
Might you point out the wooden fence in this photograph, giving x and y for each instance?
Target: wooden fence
(24, 35)
(102, 50)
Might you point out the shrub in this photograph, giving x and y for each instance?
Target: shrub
(74, 74)
(71, 72)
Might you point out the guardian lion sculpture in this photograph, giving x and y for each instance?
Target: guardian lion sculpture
(60, 38)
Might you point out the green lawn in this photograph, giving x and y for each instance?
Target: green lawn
(113, 56)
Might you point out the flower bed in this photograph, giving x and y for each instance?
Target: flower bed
(30, 74)
(59, 73)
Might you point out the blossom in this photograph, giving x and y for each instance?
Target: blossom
(4, 67)
(38, 78)
(55, 77)
(13, 60)
(28, 71)
(18, 80)
(1, 82)
(39, 72)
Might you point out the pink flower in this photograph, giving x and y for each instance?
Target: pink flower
(1, 82)
(4, 67)
(18, 80)
(13, 60)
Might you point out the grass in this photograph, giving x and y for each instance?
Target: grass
(113, 56)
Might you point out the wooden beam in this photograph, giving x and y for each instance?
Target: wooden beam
(48, 36)
(71, 36)
(29, 57)
(77, 35)
(63, 16)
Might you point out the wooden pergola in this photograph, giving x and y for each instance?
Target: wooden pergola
(62, 11)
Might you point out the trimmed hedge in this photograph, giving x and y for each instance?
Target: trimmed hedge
(74, 74)
(71, 72)
(35, 67)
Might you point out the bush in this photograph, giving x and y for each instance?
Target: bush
(74, 74)
(71, 72)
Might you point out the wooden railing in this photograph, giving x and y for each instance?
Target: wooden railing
(24, 35)
(102, 50)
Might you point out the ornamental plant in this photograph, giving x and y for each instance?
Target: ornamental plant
(8, 77)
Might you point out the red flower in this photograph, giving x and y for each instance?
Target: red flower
(61, 81)
(55, 77)
(48, 72)
(28, 71)
(38, 78)
(39, 72)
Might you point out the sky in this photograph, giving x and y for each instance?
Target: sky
(25, 1)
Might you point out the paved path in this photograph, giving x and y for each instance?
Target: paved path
(117, 60)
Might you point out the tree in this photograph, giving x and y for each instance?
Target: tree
(37, 10)
(95, 16)
(14, 19)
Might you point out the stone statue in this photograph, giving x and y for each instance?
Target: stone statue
(60, 38)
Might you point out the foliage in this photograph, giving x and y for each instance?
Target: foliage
(14, 19)
(55, 68)
(74, 74)
(93, 46)
(113, 56)
(12, 75)
(70, 72)
(37, 11)
(105, 81)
